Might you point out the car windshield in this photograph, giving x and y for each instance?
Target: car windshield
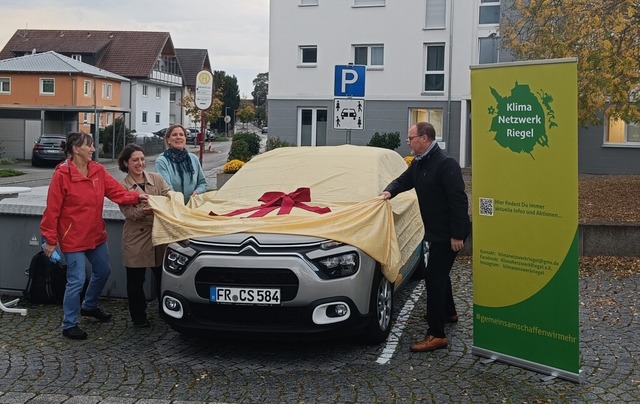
(51, 141)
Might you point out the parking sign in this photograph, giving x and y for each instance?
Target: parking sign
(349, 81)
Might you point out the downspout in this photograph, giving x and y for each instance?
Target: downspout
(450, 72)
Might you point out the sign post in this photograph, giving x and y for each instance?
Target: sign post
(203, 98)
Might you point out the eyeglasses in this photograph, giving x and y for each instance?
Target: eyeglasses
(410, 138)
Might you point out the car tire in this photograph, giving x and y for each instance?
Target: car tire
(381, 309)
(35, 162)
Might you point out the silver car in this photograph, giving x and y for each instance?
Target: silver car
(289, 284)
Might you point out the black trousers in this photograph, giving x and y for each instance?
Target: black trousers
(440, 302)
(135, 291)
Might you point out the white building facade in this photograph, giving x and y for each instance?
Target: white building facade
(417, 55)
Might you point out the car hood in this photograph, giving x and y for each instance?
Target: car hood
(307, 181)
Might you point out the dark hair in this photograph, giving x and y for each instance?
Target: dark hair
(170, 129)
(425, 128)
(125, 155)
(76, 139)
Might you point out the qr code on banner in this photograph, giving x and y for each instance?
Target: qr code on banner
(486, 206)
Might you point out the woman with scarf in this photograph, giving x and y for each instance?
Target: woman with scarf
(178, 167)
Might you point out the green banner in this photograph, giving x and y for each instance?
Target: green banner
(525, 214)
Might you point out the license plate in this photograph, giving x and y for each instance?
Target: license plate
(219, 294)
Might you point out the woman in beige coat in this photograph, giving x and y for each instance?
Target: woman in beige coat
(138, 252)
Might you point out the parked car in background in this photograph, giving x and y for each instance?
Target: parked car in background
(265, 129)
(278, 283)
(192, 135)
(48, 149)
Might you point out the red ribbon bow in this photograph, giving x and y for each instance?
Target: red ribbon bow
(286, 202)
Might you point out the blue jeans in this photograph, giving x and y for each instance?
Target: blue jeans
(76, 274)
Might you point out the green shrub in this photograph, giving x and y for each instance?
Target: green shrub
(239, 150)
(273, 142)
(251, 139)
(7, 161)
(390, 140)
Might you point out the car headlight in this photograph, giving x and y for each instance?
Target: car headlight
(175, 262)
(338, 266)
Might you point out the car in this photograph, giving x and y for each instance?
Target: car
(301, 283)
(48, 149)
(348, 113)
(192, 135)
(265, 129)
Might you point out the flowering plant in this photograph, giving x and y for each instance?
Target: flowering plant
(408, 160)
(232, 166)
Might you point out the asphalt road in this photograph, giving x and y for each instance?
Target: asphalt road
(41, 176)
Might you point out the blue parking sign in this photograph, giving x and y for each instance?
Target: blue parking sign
(349, 81)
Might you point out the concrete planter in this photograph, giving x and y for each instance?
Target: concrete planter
(221, 178)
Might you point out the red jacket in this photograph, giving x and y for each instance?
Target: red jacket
(73, 215)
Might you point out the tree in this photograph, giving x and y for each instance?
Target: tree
(230, 94)
(246, 114)
(259, 94)
(601, 34)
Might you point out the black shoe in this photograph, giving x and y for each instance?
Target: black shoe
(74, 333)
(142, 323)
(97, 313)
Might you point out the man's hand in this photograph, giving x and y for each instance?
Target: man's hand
(456, 245)
(386, 195)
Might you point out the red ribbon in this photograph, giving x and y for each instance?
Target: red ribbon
(286, 202)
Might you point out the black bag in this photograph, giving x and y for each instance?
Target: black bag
(47, 281)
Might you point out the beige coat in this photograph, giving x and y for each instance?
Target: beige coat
(137, 248)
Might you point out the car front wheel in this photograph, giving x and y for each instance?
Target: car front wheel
(381, 308)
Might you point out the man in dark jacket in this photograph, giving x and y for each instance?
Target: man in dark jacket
(438, 182)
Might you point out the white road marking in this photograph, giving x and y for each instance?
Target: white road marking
(400, 323)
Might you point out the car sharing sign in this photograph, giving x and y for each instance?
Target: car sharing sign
(348, 113)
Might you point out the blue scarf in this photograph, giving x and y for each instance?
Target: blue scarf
(181, 161)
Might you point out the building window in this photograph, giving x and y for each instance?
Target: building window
(5, 85)
(145, 90)
(106, 91)
(433, 116)
(312, 126)
(77, 57)
(308, 55)
(158, 92)
(308, 2)
(434, 62)
(85, 117)
(144, 117)
(489, 49)
(619, 132)
(87, 88)
(361, 3)
(369, 55)
(172, 95)
(489, 12)
(158, 117)
(436, 14)
(47, 86)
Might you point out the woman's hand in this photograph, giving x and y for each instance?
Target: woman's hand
(143, 197)
(48, 249)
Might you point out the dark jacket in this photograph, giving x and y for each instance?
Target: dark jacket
(438, 182)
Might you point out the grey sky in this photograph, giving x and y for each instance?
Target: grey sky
(234, 32)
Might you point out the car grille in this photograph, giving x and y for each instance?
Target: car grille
(281, 278)
(250, 315)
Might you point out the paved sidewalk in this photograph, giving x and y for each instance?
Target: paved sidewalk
(122, 364)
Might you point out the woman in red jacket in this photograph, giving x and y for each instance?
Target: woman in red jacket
(73, 221)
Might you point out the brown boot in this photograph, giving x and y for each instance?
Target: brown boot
(430, 343)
